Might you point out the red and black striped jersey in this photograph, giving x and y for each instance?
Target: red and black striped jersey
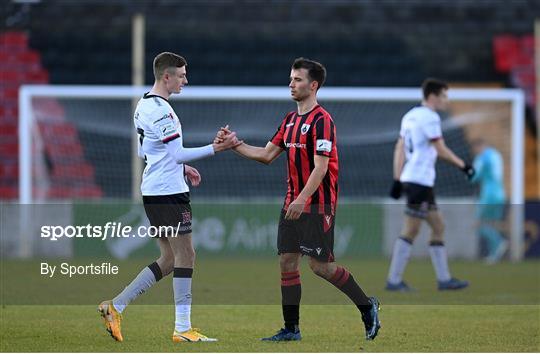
(303, 137)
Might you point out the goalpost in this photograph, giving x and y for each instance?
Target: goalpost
(367, 121)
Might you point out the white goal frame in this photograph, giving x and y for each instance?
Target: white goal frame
(230, 93)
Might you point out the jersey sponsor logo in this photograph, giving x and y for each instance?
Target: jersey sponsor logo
(295, 145)
(289, 125)
(305, 128)
(168, 115)
(306, 249)
(324, 145)
(167, 128)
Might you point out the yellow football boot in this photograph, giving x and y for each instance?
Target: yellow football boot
(112, 319)
(191, 335)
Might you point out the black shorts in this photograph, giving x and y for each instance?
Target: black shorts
(169, 210)
(311, 234)
(420, 200)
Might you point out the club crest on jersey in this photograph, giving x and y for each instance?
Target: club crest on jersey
(305, 128)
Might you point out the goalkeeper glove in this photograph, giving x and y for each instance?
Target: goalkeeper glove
(469, 171)
(395, 192)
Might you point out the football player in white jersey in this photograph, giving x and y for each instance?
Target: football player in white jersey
(419, 144)
(166, 198)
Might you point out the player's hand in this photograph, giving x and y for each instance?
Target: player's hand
(222, 132)
(395, 191)
(469, 171)
(192, 175)
(229, 141)
(295, 209)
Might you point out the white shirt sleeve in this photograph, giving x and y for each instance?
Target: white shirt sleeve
(182, 155)
(402, 129)
(432, 127)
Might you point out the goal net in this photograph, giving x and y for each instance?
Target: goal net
(77, 145)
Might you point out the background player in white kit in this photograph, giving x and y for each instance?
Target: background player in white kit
(415, 155)
(166, 197)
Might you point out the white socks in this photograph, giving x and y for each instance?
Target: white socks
(181, 287)
(439, 259)
(400, 258)
(182, 298)
(144, 280)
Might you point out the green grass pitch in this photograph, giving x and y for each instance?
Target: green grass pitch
(237, 301)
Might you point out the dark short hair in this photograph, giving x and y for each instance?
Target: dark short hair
(166, 60)
(433, 86)
(316, 71)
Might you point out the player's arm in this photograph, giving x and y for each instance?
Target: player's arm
(399, 161)
(315, 178)
(399, 158)
(323, 136)
(313, 182)
(166, 129)
(192, 175)
(448, 155)
(264, 155)
(182, 154)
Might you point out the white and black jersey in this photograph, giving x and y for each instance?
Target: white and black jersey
(157, 124)
(419, 128)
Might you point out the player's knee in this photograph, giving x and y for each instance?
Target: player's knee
(167, 256)
(288, 262)
(319, 268)
(411, 231)
(191, 254)
(166, 263)
(184, 254)
(438, 229)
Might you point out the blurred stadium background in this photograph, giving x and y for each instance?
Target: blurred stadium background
(73, 164)
(83, 169)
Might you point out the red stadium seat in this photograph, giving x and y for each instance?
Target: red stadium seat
(14, 39)
(9, 171)
(9, 192)
(77, 171)
(8, 150)
(505, 52)
(36, 77)
(56, 150)
(10, 76)
(9, 93)
(63, 192)
(8, 114)
(29, 57)
(8, 129)
(59, 131)
(47, 107)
